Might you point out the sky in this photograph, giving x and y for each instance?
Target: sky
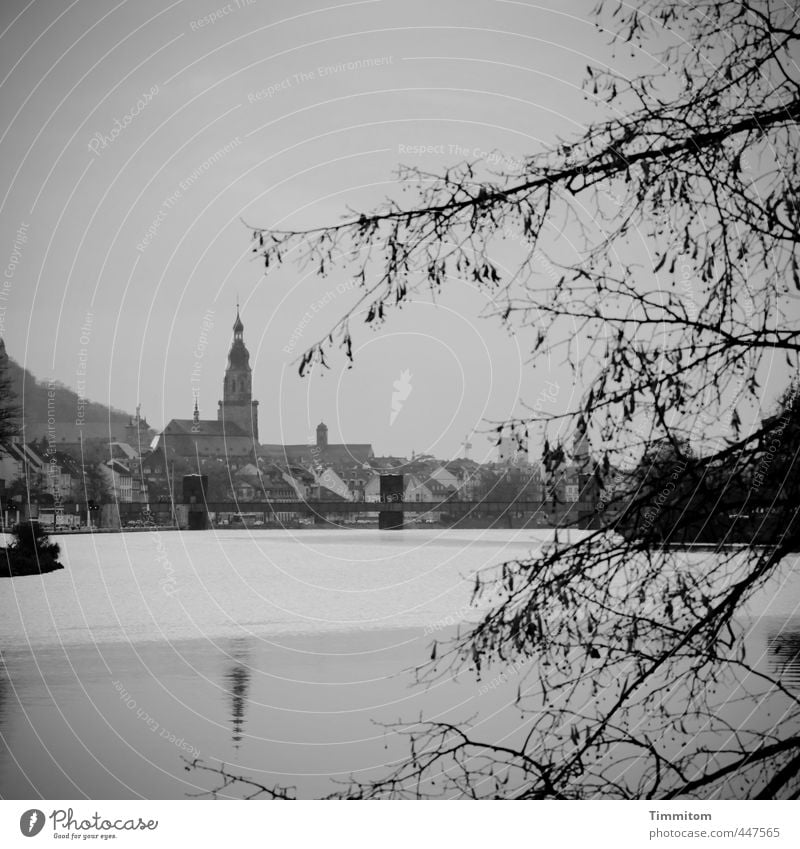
(139, 139)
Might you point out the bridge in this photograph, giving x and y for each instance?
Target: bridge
(189, 514)
(324, 507)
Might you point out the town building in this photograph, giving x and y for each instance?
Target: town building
(138, 433)
(350, 462)
(119, 480)
(234, 433)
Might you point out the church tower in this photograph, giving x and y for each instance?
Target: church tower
(137, 431)
(237, 403)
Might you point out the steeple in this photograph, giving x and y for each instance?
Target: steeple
(237, 403)
(196, 416)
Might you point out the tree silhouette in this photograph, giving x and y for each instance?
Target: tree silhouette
(684, 200)
(9, 408)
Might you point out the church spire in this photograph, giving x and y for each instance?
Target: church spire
(196, 416)
(237, 403)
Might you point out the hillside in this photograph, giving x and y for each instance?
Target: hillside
(32, 398)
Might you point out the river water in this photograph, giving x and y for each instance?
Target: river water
(280, 654)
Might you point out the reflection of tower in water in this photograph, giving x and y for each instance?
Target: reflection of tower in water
(237, 680)
(784, 656)
(3, 691)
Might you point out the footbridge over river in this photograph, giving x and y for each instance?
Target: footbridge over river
(390, 514)
(196, 512)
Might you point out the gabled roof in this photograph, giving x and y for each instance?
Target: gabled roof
(35, 452)
(15, 451)
(119, 467)
(203, 427)
(123, 451)
(438, 488)
(30, 453)
(38, 457)
(162, 452)
(326, 494)
(210, 438)
(300, 473)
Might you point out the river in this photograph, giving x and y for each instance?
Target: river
(278, 653)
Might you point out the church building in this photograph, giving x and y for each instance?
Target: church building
(234, 433)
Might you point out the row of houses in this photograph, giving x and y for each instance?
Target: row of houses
(117, 472)
(33, 465)
(35, 470)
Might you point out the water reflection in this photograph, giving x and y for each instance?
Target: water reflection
(237, 680)
(784, 656)
(3, 693)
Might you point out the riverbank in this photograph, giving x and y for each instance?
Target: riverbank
(16, 567)
(364, 527)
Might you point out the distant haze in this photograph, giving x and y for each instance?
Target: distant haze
(138, 137)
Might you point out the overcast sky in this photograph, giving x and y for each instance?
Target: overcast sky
(249, 111)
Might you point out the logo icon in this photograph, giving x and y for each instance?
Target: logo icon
(31, 822)
(402, 389)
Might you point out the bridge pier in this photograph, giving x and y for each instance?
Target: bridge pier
(194, 497)
(392, 489)
(389, 520)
